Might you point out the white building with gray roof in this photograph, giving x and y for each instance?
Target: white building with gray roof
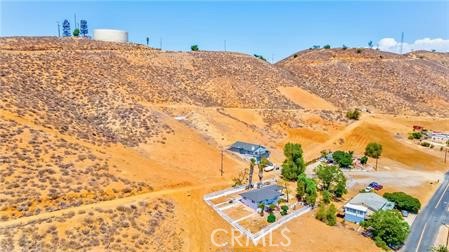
(364, 204)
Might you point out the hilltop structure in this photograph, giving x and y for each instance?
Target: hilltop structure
(111, 35)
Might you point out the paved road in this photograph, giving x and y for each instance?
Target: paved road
(426, 225)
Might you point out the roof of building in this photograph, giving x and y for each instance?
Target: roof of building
(356, 207)
(267, 192)
(372, 201)
(246, 146)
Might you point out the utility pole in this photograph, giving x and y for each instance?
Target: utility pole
(160, 43)
(59, 29)
(225, 45)
(445, 155)
(75, 20)
(402, 42)
(221, 167)
(148, 41)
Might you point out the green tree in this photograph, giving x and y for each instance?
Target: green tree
(194, 48)
(374, 150)
(332, 179)
(293, 164)
(387, 226)
(284, 210)
(364, 160)
(271, 218)
(327, 47)
(415, 135)
(306, 189)
(260, 57)
(370, 44)
(343, 159)
(331, 215)
(301, 187)
(327, 215)
(440, 248)
(261, 165)
(340, 187)
(344, 47)
(326, 197)
(404, 201)
(76, 32)
(311, 193)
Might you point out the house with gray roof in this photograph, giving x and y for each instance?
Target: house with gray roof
(364, 204)
(249, 150)
(266, 195)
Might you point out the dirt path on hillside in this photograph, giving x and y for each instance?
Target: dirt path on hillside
(106, 204)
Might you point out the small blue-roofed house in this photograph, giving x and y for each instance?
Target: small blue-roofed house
(266, 195)
(249, 150)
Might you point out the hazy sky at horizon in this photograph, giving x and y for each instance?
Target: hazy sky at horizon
(272, 29)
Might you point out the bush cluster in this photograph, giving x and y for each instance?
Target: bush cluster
(342, 158)
(353, 114)
(327, 215)
(404, 201)
(415, 135)
(271, 218)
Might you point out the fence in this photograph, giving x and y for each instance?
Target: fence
(261, 233)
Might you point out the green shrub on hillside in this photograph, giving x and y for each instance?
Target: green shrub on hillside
(194, 48)
(353, 114)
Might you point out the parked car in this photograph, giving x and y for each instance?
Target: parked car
(404, 213)
(367, 233)
(395, 247)
(368, 189)
(271, 167)
(376, 186)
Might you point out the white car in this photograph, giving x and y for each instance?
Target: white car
(269, 168)
(368, 189)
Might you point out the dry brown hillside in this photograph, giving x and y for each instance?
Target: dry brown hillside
(111, 147)
(63, 101)
(375, 80)
(96, 90)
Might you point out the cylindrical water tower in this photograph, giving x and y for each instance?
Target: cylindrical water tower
(111, 35)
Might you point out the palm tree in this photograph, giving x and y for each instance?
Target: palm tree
(287, 191)
(262, 164)
(251, 171)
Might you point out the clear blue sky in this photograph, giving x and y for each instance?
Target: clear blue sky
(273, 29)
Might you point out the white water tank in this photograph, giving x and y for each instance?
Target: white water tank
(111, 35)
